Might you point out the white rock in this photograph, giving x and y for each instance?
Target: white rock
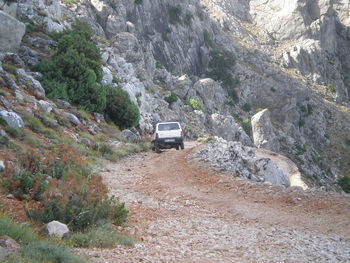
(57, 228)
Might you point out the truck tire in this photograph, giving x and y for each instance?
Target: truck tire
(177, 147)
(182, 146)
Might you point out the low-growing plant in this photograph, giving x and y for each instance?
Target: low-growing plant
(34, 123)
(344, 183)
(159, 65)
(330, 88)
(15, 132)
(247, 126)
(31, 141)
(246, 107)
(171, 98)
(97, 236)
(9, 68)
(194, 104)
(175, 14)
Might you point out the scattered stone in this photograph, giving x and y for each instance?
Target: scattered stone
(86, 141)
(4, 139)
(31, 84)
(13, 59)
(57, 228)
(45, 106)
(12, 119)
(2, 166)
(11, 84)
(29, 56)
(129, 136)
(138, 246)
(72, 118)
(4, 102)
(62, 104)
(9, 243)
(10, 196)
(99, 118)
(92, 130)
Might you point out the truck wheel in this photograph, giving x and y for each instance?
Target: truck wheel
(177, 147)
(156, 148)
(182, 146)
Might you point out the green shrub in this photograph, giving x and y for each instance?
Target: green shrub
(194, 104)
(344, 183)
(208, 40)
(175, 14)
(34, 124)
(72, 72)
(188, 19)
(9, 68)
(159, 65)
(219, 68)
(246, 107)
(31, 141)
(247, 126)
(41, 251)
(116, 80)
(101, 237)
(21, 234)
(120, 109)
(15, 132)
(171, 98)
(330, 88)
(80, 212)
(2, 121)
(138, 2)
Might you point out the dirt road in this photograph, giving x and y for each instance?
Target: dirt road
(181, 211)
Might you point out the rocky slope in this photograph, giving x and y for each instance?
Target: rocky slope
(290, 58)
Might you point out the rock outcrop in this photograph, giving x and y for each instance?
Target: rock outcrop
(242, 161)
(12, 119)
(11, 32)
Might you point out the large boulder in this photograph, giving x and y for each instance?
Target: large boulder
(72, 118)
(57, 228)
(226, 128)
(263, 132)
(242, 161)
(11, 32)
(12, 119)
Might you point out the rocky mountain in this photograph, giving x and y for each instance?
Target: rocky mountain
(285, 61)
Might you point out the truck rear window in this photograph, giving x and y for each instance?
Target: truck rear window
(168, 127)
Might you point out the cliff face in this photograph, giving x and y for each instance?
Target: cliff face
(289, 58)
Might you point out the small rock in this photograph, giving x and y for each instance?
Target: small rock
(12, 119)
(62, 104)
(72, 118)
(4, 102)
(57, 228)
(138, 246)
(129, 136)
(86, 141)
(9, 243)
(2, 166)
(31, 84)
(10, 196)
(45, 106)
(99, 118)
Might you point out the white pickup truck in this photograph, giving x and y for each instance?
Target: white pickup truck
(168, 135)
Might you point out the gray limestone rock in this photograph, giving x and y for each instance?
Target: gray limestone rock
(62, 104)
(242, 161)
(45, 106)
(129, 136)
(227, 128)
(11, 32)
(12, 119)
(31, 84)
(57, 228)
(2, 166)
(263, 131)
(99, 118)
(72, 118)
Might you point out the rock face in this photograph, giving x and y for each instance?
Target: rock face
(263, 133)
(11, 32)
(57, 228)
(12, 119)
(242, 161)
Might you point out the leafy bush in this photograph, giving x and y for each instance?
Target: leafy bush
(246, 107)
(171, 98)
(344, 183)
(81, 212)
(330, 88)
(74, 69)
(175, 14)
(194, 104)
(120, 109)
(159, 65)
(247, 127)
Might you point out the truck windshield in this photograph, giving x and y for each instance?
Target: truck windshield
(168, 127)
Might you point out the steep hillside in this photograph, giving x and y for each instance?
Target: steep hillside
(290, 58)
